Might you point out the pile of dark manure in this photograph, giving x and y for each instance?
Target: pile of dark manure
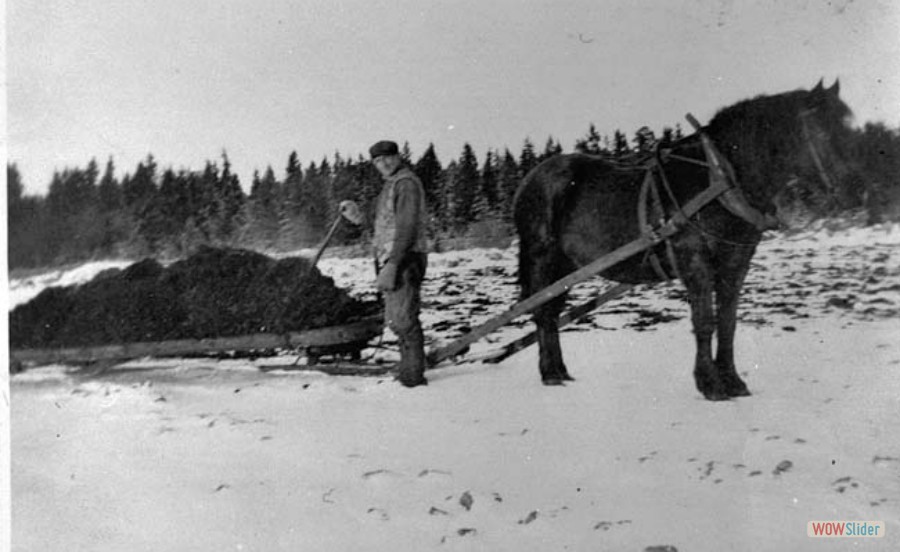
(218, 292)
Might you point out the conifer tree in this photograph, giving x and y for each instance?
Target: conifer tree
(406, 154)
(109, 193)
(528, 159)
(620, 144)
(551, 148)
(488, 196)
(26, 246)
(293, 185)
(507, 183)
(262, 220)
(465, 188)
(668, 137)
(428, 169)
(231, 199)
(590, 144)
(644, 140)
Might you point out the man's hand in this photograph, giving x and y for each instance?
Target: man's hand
(387, 278)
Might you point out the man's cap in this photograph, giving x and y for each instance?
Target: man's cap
(384, 147)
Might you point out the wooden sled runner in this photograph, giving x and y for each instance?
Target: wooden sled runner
(348, 339)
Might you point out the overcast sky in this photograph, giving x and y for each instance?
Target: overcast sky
(185, 79)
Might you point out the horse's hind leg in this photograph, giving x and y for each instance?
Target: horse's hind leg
(545, 269)
(546, 317)
(729, 281)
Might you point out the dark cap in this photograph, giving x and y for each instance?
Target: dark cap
(384, 147)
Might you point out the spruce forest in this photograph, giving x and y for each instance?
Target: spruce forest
(89, 213)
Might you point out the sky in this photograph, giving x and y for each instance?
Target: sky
(260, 79)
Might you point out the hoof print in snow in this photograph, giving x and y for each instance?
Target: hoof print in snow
(661, 548)
(782, 467)
(706, 470)
(497, 497)
(463, 531)
(378, 513)
(466, 500)
(437, 512)
(427, 472)
(646, 457)
(529, 518)
(885, 461)
(374, 473)
(607, 525)
(754, 473)
(842, 484)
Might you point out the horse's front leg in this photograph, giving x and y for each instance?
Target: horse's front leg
(729, 282)
(698, 279)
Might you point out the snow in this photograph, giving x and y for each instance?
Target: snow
(206, 454)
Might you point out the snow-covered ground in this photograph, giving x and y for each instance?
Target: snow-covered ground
(203, 454)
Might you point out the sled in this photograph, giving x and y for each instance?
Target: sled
(346, 339)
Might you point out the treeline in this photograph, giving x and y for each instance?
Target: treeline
(90, 213)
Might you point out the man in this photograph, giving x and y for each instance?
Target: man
(401, 256)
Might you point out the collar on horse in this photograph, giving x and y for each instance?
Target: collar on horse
(721, 177)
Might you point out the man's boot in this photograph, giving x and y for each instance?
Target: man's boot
(412, 359)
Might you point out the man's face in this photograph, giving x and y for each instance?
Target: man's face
(386, 164)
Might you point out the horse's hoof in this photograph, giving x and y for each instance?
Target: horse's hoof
(411, 380)
(554, 381)
(716, 396)
(741, 391)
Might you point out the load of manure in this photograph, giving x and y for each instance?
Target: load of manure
(218, 292)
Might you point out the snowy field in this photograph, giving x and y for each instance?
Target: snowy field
(216, 455)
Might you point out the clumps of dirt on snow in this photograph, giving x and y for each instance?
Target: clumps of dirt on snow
(217, 292)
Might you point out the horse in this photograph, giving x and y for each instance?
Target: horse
(574, 208)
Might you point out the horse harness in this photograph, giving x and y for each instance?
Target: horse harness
(651, 216)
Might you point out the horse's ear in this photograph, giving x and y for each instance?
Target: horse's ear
(835, 88)
(819, 87)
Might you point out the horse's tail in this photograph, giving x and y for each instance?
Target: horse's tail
(535, 213)
(523, 207)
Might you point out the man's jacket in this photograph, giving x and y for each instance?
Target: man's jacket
(400, 217)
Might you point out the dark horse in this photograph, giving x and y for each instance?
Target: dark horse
(572, 209)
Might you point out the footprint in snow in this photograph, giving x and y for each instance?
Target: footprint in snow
(380, 474)
(885, 461)
(379, 513)
(429, 472)
(782, 467)
(607, 525)
(840, 485)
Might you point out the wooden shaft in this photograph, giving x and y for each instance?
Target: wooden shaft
(568, 317)
(564, 284)
(327, 239)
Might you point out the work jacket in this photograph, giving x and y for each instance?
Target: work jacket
(400, 217)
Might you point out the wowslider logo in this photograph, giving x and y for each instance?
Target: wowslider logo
(845, 529)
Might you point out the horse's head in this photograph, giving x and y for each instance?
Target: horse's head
(789, 150)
